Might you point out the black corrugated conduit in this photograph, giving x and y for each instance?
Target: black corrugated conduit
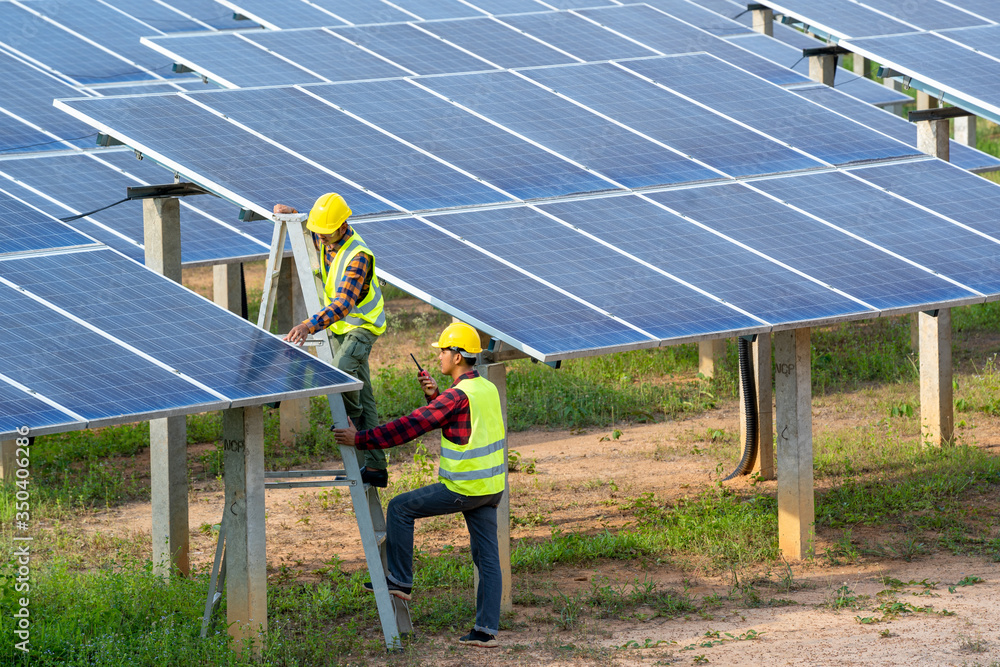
(749, 408)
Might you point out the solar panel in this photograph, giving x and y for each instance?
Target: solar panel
(325, 55)
(437, 9)
(498, 43)
(509, 6)
(197, 142)
(941, 187)
(666, 117)
(21, 408)
(557, 325)
(172, 324)
(985, 40)
(160, 16)
(491, 153)
(211, 13)
(846, 263)
(986, 8)
(731, 10)
(16, 137)
(151, 88)
(840, 18)
(417, 51)
(582, 136)
(845, 80)
(363, 11)
(966, 74)
(579, 4)
(379, 163)
(587, 269)
(26, 229)
(670, 36)
(925, 14)
(578, 36)
(895, 126)
(895, 225)
(703, 17)
(283, 13)
(778, 113)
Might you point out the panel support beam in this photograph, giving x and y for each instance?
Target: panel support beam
(711, 354)
(763, 18)
(761, 364)
(793, 407)
(246, 558)
(497, 374)
(937, 417)
(168, 436)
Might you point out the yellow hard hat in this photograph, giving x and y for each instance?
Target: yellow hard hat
(460, 335)
(328, 214)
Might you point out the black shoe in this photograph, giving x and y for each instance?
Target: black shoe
(402, 592)
(373, 476)
(477, 638)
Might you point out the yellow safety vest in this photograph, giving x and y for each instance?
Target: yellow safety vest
(478, 468)
(369, 313)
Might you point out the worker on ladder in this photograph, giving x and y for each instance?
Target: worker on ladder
(472, 473)
(354, 312)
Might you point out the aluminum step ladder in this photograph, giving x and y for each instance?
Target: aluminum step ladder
(393, 612)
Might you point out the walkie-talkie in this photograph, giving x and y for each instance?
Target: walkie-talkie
(420, 369)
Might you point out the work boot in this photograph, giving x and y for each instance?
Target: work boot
(402, 592)
(373, 476)
(477, 638)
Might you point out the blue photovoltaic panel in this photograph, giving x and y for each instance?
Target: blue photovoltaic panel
(952, 65)
(801, 242)
(670, 36)
(778, 113)
(509, 6)
(731, 10)
(325, 55)
(895, 225)
(570, 130)
(966, 198)
(160, 16)
(200, 141)
(577, 4)
(577, 36)
(175, 86)
(286, 13)
(23, 228)
(989, 9)
(701, 17)
(895, 126)
(22, 409)
(672, 120)
(985, 39)
(523, 309)
(925, 14)
(618, 284)
(172, 324)
(35, 91)
(443, 129)
(498, 43)
(17, 137)
(402, 174)
(842, 18)
(437, 9)
(715, 265)
(75, 367)
(366, 11)
(236, 60)
(85, 184)
(415, 50)
(37, 38)
(214, 14)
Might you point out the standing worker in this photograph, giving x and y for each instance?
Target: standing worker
(472, 473)
(354, 311)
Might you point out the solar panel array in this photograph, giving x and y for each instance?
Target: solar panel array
(593, 206)
(92, 338)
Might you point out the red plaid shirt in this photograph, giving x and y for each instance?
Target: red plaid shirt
(352, 288)
(448, 411)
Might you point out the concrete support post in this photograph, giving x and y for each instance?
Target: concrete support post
(8, 449)
(763, 21)
(710, 355)
(168, 436)
(793, 407)
(823, 69)
(965, 130)
(497, 374)
(862, 66)
(932, 138)
(937, 416)
(246, 557)
(227, 291)
(294, 413)
(761, 363)
(925, 101)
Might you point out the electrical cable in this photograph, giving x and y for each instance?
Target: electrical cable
(46, 143)
(749, 408)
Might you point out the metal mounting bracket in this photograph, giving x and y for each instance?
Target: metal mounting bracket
(165, 190)
(938, 114)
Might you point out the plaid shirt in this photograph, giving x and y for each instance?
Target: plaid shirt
(352, 288)
(448, 411)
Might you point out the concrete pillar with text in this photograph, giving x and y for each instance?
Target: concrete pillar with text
(246, 554)
(167, 436)
(793, 411)
(761, 364)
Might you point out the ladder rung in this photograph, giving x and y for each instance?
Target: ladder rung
(306, 485)
(303, 473)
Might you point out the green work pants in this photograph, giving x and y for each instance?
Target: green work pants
(350, 354)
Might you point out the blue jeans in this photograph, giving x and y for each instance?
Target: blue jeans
(480, 517)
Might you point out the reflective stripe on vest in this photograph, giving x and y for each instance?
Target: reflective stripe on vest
(370, 312)
(478, 468)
